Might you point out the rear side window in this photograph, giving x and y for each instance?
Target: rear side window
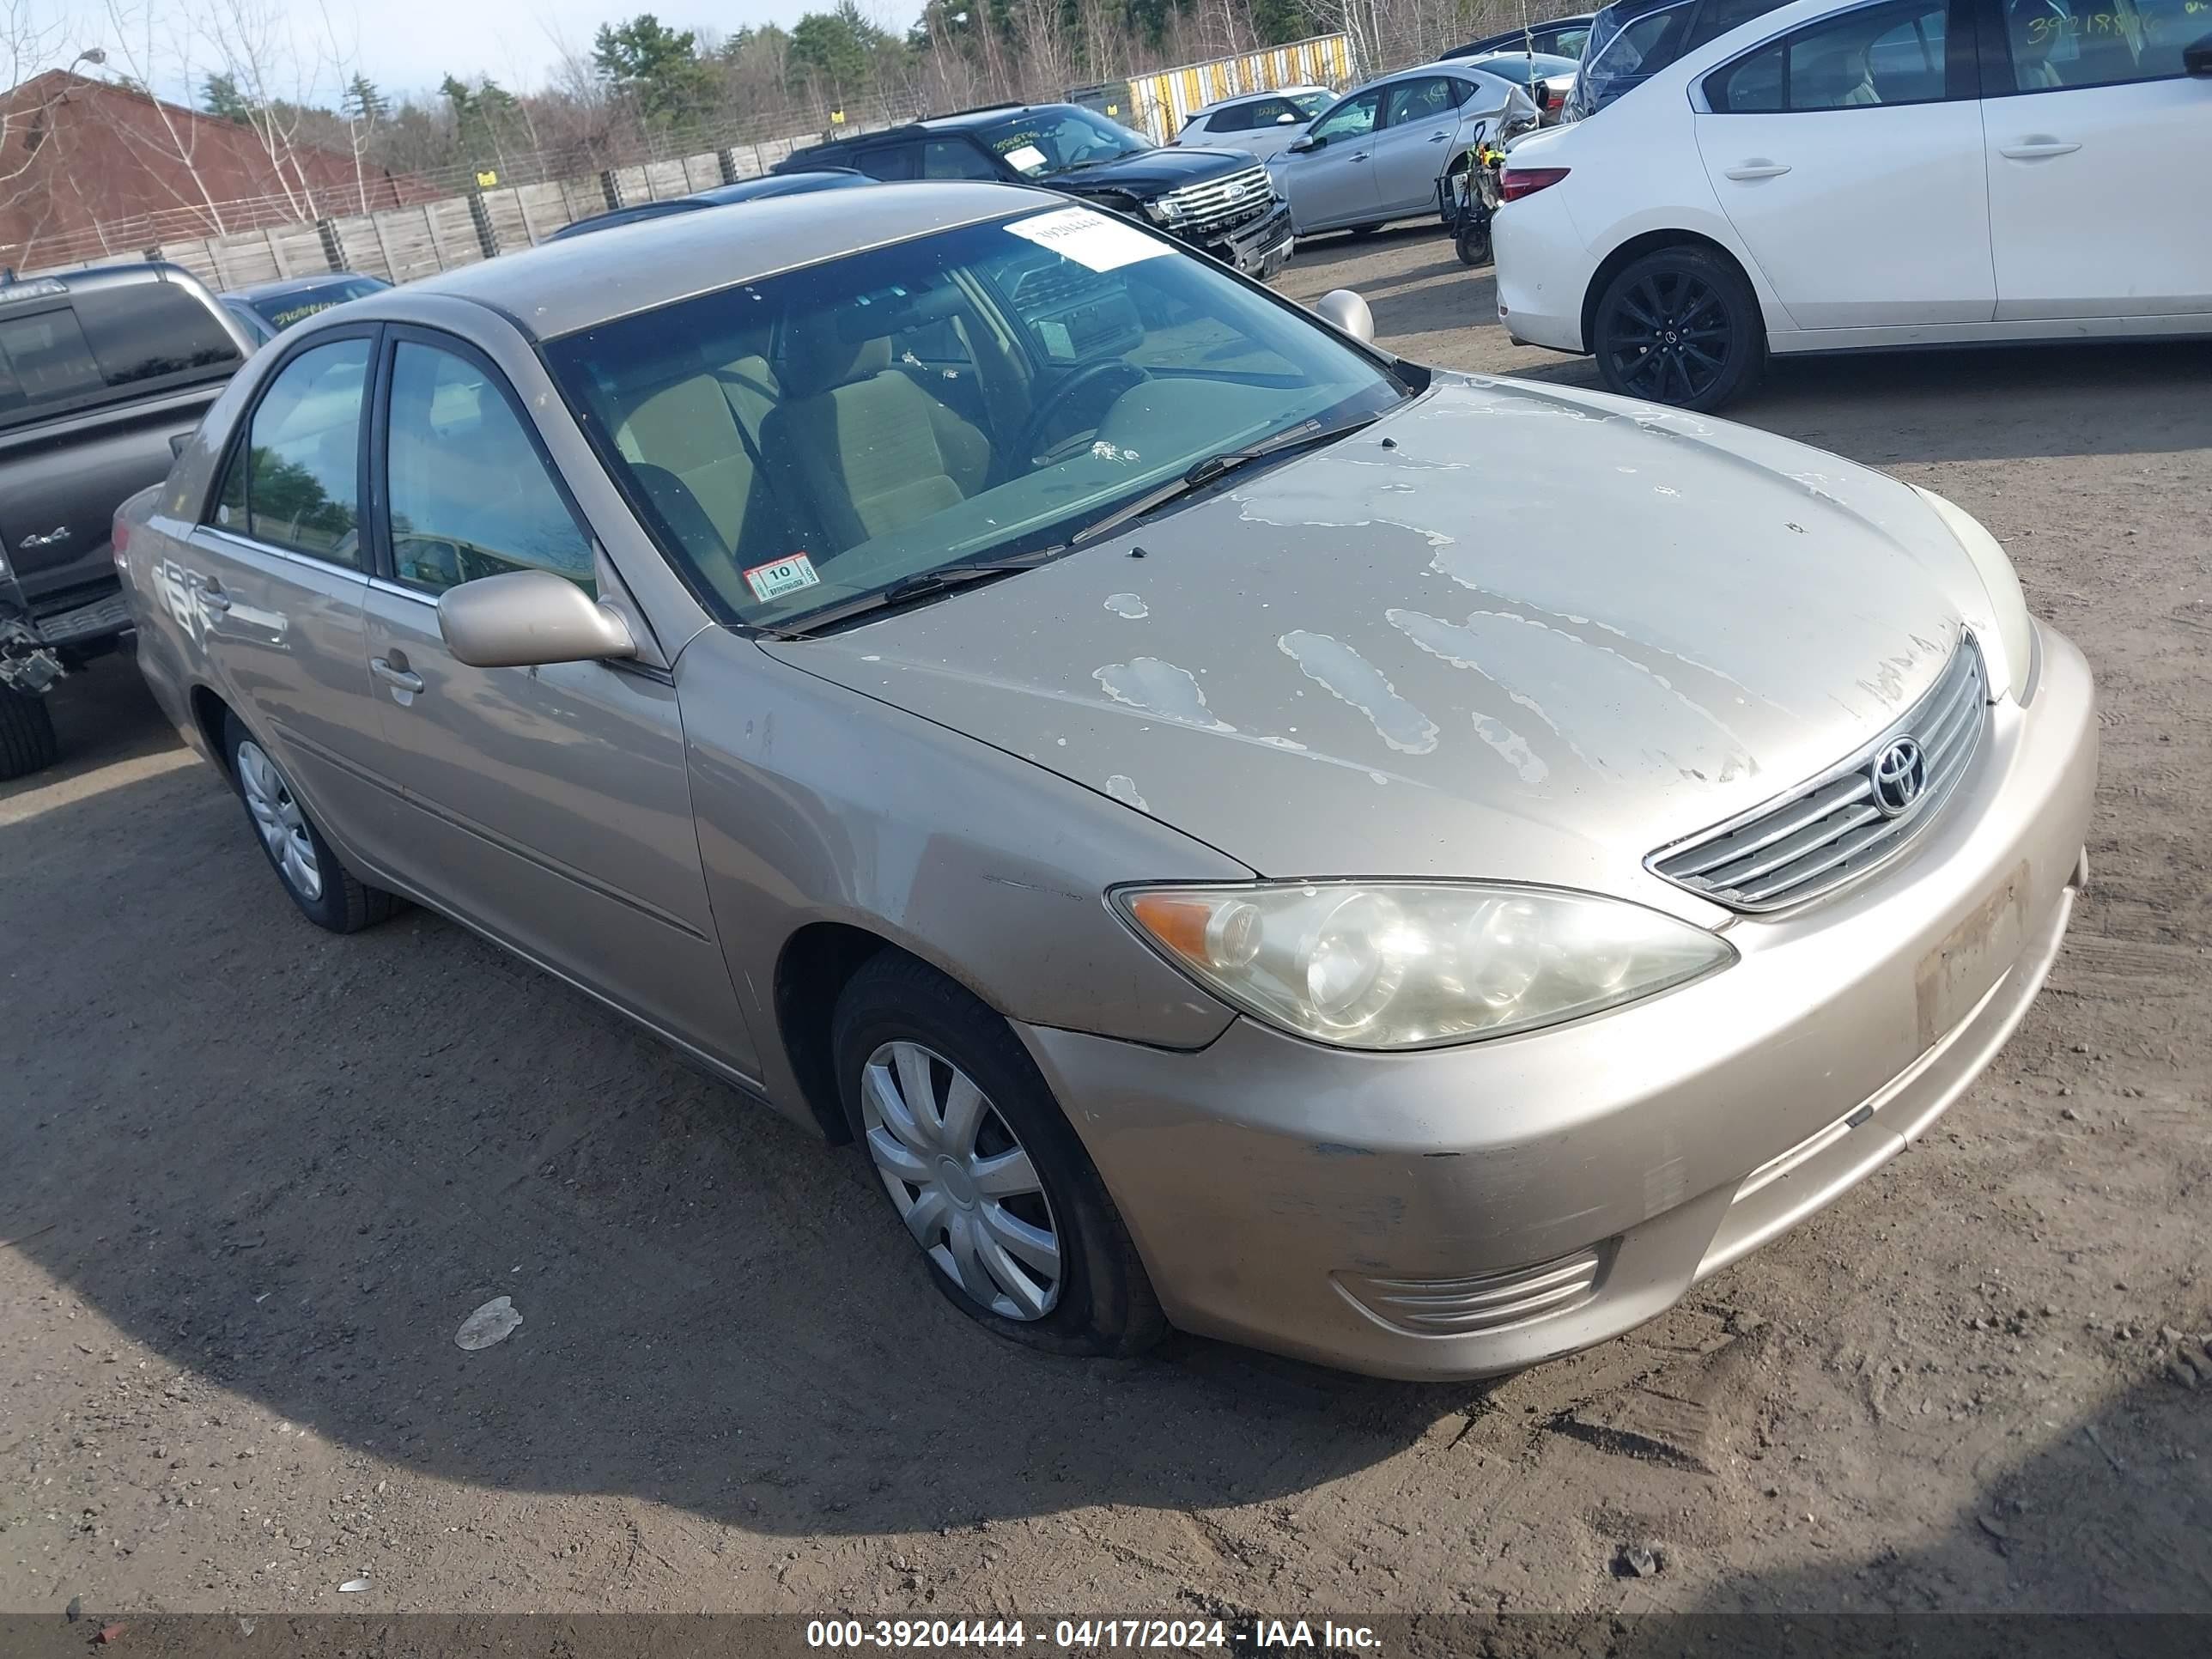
(1875, 57)
(295, 482)
(130, 336)
(890, 162)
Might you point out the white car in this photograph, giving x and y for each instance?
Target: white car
(1378, 152)
(1258, 123)
(1835, 177)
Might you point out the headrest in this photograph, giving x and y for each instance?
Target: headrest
(817, 358)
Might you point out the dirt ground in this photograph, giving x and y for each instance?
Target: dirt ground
(253, 1177)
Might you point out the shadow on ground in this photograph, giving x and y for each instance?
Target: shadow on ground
(294, 1163)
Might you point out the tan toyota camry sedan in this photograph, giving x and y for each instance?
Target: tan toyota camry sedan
(1243, 830)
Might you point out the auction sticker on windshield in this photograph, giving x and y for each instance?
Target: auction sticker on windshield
(1089, 238)
(769, 582)
(1028, 157)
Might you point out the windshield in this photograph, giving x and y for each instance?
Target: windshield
(1628, 43)
(282, 310)
(972, 395)
(1040, 142)
(1310, 104)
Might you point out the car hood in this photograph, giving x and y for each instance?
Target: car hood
(1153, 171)
(1505, 630)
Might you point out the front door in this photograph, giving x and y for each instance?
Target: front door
(2099, 159)
(1848, 157)
(1333, 183)
(1420, 118)
(549, 806)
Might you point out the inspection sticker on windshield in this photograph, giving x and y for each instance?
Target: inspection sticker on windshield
(1089, 238)
(772, 581)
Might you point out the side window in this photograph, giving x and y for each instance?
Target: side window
(468, 494)
(1567, 43)
(1352, 118)
(154, 331)
(1878, 55)
(1425, 99)
(890, 162)
(955, 158)
(2056, 44)
(44, 360)
(1237, 118)
(294, 482)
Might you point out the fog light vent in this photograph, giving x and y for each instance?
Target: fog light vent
(1481, 1301)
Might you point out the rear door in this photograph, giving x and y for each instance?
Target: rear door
(1333, 183)
(1847, 154)
(1419, 116)
(549, 806)
(271, 583)
(2099, 158)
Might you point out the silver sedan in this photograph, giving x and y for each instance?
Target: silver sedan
(1244, 831)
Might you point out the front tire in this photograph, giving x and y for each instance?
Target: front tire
(981, 1167)
(28, 743)
(1679, 327)
(328, 894)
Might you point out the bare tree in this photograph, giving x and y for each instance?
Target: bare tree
(28, 44)
(253, 40)
(1047, 55)
(147, 59)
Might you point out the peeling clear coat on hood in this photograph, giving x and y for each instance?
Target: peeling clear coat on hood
(1498, 609)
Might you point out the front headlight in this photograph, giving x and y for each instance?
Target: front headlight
(2015, 633)
(1402, 964)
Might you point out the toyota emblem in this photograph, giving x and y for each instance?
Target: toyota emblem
(1899, 774)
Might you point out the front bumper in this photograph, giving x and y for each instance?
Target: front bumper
(1257, 249)
(1470, 1211)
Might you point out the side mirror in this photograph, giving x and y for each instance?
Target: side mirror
(2196, 58)
(1309, 142)
(526, 618)
(1286, 119)
(1347, 313)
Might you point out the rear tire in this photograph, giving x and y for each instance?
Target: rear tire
(925, 1039)
(28, 743)
(1679, 327)
(328, 894)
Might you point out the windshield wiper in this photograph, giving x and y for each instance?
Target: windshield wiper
(923, 585)
(1304, 435)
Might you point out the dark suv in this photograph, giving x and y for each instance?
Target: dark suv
(1632, 40)
(1219, 201)
(102, 372)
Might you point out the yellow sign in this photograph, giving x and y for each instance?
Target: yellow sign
(836, 117)
(1113, 109)
(486, 179)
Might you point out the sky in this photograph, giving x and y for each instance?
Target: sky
(409, 45)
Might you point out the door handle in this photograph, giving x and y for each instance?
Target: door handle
(209, 593)
(1360, 157)
(2036, 148)
(1760, 169)
(1439, 137)
(396, 673)
(53, 537)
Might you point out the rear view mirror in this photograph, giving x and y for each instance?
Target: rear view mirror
(526, 618)
(1347, 313)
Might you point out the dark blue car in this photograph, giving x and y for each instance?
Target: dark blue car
(745, 190)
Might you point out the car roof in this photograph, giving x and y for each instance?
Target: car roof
(1252, 97)
(769, 185)
(559, 288)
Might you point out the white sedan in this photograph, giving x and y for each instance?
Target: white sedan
(1842, 177)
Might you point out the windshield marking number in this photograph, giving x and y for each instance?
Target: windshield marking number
(769, 582)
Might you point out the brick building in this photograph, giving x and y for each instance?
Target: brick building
(88, 169)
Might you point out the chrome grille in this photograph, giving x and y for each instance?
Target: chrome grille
(1483, 1302)
(1844, 823)
(1219, 205)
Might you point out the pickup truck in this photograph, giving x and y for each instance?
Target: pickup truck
(103, 375)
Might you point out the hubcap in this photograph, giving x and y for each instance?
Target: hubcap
(1667, 337)
(961, 1181)
(283, 827)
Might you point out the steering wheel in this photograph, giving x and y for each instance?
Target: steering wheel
(1080, 382)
